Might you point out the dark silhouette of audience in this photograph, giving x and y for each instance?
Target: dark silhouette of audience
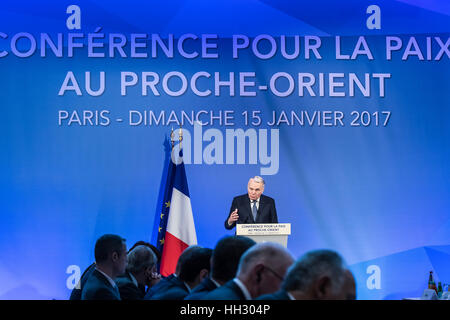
(317, 275)
(110, 262)
(224, 263)
(156, 277)
(193, 266)
(237, 269)
(261, 271)
(76, 292)
(154, 249)
(139, 273)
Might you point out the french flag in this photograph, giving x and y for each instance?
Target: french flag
(180, 229)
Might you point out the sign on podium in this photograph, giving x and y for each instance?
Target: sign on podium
(263, 232)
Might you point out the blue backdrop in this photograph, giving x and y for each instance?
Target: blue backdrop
(376, 191)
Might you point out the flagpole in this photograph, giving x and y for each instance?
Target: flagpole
(172, 138)
(179, 232)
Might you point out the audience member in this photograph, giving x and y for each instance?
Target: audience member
(110, 262)
(317, 275)
(139, 273)
(224, 264)
(192, 267)
(240, 270)
(168, 281)
(154, 249)
(156, 277)
(261, 270)
(76, 292)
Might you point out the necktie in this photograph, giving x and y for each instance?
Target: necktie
(254, 210)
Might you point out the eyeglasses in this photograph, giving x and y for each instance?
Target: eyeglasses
(274, 273)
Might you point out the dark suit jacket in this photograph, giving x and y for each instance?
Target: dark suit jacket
(229, 291)
(76, 293)
(162, 285)
(97, 287)
(172, 289)
(267, 213)
(128, 290)
(201, 290)
(279, 295)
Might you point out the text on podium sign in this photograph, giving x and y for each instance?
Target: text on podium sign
(255, 229)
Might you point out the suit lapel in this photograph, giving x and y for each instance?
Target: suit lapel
(114, 288)
(236, 290)
(260, 209)
(248, 208)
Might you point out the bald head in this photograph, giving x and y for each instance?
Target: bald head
(262, 268)
(139, 258)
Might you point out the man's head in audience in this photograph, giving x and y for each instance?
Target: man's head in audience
(263, 267)
(111, 255)
(226, 256)
(320, 275)
(152, 247)
(194, 265)
(142, 264)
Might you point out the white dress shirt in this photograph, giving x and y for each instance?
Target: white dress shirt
(111, 281)
(257, 203)
(243, 288)
(291, 297)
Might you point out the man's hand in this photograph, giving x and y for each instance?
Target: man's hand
(153, 279)
(233, 217)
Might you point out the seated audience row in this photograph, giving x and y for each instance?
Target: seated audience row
(237, 269)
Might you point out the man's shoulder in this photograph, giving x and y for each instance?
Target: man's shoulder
(200, 291)
(267, 198)
(279, 295)
(229, 291)
(96, 279)
(245, 196)
(206, 285)
(97, 288)
(174, 292)
(159, 287)
(128, 289)
(241, 197)
(123, 280)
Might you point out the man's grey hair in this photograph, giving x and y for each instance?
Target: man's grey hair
(258, 179)
(312, 265)
(140, 258)
(267, 253)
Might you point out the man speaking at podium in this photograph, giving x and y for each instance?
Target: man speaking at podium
(252, 207)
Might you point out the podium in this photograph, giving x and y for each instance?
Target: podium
(263, 232)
